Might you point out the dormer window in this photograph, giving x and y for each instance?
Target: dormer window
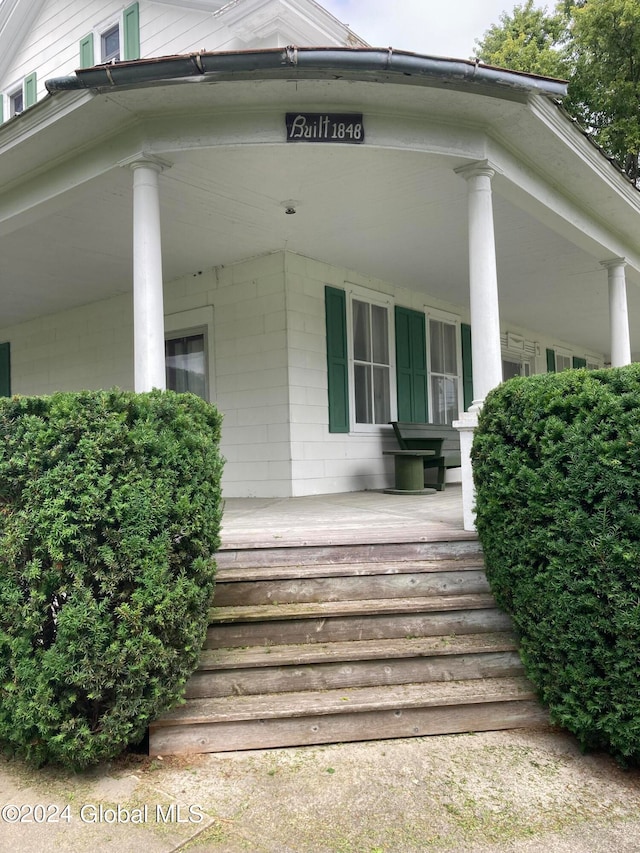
(110, 41)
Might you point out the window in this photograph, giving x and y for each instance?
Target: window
(563, 362)
(110, 44)
(444, 381)
(16, 102)
(113, 39)
(371, 362)
(514, 366)
(185, 360)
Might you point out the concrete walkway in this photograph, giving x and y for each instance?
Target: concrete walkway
(497, 792)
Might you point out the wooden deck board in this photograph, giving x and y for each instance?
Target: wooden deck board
(300, 654)
(349, 701)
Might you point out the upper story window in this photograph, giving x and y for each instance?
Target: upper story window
(110, 44)
(16, 102)
(113, 39)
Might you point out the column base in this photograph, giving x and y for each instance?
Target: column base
(466, 425)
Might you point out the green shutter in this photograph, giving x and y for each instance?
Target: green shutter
(131, 27)
(337, 361)
(467, 366)
(5, 370)
(551, 361)
(86, 51)
(411, 365)
(579, 362)
(30, 90)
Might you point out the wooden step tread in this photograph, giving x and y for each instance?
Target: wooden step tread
(324, 609)
(280, 555)
(241, 572)
(348, 701)
(300, 654)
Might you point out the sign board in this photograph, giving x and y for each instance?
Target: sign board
(325, 127)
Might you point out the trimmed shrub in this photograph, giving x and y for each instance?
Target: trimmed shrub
(556, 463)
(109, 519)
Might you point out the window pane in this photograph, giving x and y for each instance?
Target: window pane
(111, 44)
(436, 346)
(444, 396)
(361, 331)
(185, 365)
(510, 369)
(563, 362)
(449, 349)
(381, 396)
(380, 334)
(362, 376)
(17, 103)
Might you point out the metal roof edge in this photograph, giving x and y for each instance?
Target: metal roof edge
(340, 60)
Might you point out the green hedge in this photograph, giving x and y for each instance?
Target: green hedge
(109, 519)
(556, 463)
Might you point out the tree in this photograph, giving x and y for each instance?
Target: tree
(604, 91)
(595, 45)
(527, 40)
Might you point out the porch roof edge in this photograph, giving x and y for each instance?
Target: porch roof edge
(354, 61)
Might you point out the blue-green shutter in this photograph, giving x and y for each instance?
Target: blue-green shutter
(411, 365)
(467, 366)
(30, 90)
(337, 362)
(131, 28)
(551, 361)
(5, 370)
(86, 51)
(579, 362)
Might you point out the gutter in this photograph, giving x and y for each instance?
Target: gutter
(358, 63)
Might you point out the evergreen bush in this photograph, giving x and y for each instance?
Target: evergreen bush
(556, 461)
(109, 519)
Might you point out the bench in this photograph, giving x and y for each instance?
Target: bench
(440, 445)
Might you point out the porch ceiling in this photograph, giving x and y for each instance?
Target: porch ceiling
(395, 215)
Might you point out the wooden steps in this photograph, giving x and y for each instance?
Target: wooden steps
(351, 642)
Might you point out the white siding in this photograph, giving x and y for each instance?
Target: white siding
(52, 47)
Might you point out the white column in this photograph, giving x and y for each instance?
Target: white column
(485, 317)
(618, 313)
(148, 309)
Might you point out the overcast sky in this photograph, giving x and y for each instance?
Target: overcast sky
(433, 27)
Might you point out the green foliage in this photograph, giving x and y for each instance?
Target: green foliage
(527, 40)
(109, 519)
(556, 462)
(604, 92)
(595, 45)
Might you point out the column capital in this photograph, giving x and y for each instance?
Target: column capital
(614, 262)
(146, 161)
(479, 169)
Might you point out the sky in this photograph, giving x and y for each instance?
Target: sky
(433, 27)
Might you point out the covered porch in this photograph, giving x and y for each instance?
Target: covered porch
(347, 518)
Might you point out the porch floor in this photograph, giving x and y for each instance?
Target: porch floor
(343, 519)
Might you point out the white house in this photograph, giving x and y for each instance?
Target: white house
(317, 235)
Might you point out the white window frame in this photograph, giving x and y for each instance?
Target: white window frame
(383, 300)
(196, 321)
(451, 320)
(564, 354)
(12, 92)
(518, 350)
(100, 30)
